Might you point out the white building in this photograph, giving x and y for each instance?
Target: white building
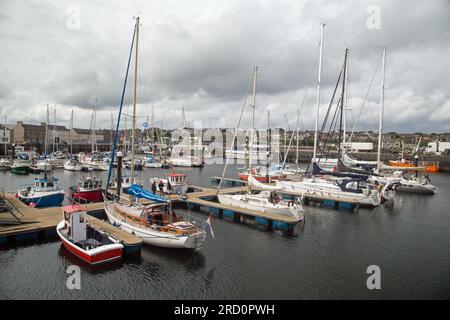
(359, 146)
(5, 135)
(437, 147)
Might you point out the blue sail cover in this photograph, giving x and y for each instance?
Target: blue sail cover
(316, 170)
(138, 192)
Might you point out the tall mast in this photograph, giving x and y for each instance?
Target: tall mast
(380, 130)
(125, 138)
(344, 140)
(56, 135)
(133, 134)
(4, 132)
(255, 74)
(153, 135)
(318, 92)
(112, 129)
(94, 137)
(296, 138)
(70, 133)
(341, 113)
(268, 133)
(46, 133)
(54, 129)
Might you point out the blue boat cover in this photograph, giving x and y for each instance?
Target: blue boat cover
(138, 192)
(316, 170)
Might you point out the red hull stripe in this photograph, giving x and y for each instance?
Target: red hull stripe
(102, 257)
(90, 196)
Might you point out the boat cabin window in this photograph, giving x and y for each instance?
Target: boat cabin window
(177, 179)
(50, 184)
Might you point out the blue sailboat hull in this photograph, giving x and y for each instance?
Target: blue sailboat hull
(52, 200)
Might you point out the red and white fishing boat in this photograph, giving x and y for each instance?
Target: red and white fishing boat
(88, 189)
(177, 181)
(83, 240)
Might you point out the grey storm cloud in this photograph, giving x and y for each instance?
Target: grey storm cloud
(198, 55)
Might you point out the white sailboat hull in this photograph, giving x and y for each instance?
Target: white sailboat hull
(156, 238)
(408, 185)
(70, 167)
(180, 162)
(328, 190)
(241, 201)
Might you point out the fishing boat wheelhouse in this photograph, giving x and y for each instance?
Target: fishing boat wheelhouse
(178, 183)
(45, 192)
(88, 189)
(83, 240)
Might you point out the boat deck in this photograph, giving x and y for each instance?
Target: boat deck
(196, 198)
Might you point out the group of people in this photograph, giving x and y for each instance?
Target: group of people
(159, 187)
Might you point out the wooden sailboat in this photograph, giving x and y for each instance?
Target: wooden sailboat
(156, 223)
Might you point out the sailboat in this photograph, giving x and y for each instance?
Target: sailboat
(187, 153)
(260, 173)
(407, 184)
(343, 185)
(264, 201)
(72, 164)
(156, 223)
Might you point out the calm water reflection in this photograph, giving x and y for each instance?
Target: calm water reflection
(327, 258)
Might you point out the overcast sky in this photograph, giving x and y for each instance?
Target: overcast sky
(199, 55)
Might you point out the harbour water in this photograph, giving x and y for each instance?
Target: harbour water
(327, 258)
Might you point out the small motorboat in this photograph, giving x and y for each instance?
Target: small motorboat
(4, 164)
(125, 184)
(177, 182)
(20, 166)
(84, 240)
(42, 165)
(73, 165)
(88, 189)
(413, 165)
(44, 193)
(156, 164)
(137, 164)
